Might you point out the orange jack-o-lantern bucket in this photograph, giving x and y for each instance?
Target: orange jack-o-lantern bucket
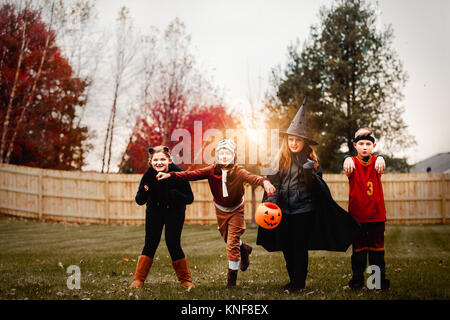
(268, 215)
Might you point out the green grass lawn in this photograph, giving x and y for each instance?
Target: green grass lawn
(34, 257)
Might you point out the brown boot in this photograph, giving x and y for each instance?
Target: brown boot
(232, 277)
(183, 274)
(142, 269)
(246, 250)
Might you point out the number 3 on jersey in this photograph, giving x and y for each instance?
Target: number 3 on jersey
(370, 188)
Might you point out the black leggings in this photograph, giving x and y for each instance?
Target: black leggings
(295, 234)
(154, 223)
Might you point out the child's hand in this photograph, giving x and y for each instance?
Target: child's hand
(270, 189)
(349, 165)
(380, 165)
(146, 187)
(308, 165)
(162, 176)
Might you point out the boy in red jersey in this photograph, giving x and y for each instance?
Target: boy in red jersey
(366, 205)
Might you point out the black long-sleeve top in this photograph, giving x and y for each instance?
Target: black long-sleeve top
(164, 194)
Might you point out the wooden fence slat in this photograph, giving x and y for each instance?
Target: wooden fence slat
(106, 198)
(109, 198)
(443, 198)
(71, 196)
(40, 192)
(19, 209)
(19, 191)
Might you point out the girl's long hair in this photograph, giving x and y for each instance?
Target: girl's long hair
(284, 155)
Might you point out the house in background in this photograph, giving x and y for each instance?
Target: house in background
(437, 163)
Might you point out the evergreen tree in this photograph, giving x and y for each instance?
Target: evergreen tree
(352, 78)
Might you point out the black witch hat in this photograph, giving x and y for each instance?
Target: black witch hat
(298, 126)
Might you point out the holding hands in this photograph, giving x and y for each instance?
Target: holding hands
(162, 176)
(269, 188)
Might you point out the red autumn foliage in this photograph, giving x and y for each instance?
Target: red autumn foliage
(48, 136)
(148, 134)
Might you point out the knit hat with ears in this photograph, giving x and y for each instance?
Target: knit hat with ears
(226, 144)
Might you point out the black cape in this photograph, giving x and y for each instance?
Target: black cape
(334, 228)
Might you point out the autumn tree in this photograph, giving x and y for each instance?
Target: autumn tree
(211, 117)
(173, 93)
(38, 94)
(125, 48)
(352, 78)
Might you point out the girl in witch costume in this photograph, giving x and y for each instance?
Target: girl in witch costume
(226, 180)
(312, 220)
(166, 205)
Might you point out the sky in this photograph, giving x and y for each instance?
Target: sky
(240, 42)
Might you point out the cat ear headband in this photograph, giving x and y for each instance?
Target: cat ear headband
(152, 150)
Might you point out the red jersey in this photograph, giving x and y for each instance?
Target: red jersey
(366, 201)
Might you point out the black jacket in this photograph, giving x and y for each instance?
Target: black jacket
(334, 228)
(293, 195)
(164, 194)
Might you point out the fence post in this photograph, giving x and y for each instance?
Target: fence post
(107, 198)
(253, 224)
(443, 197)
(40, 192)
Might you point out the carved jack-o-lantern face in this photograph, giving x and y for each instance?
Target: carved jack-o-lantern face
(268, 215)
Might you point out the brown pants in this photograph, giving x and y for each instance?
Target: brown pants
(231, 227)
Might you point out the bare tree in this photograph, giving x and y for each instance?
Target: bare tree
(125, 52)
(173, 83)
(173, 88)
(80, 41)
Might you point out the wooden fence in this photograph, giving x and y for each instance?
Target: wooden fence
(84, 197)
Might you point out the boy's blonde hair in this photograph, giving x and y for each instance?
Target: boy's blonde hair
(363, 132)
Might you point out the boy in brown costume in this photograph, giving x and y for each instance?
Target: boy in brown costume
(226, 180)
